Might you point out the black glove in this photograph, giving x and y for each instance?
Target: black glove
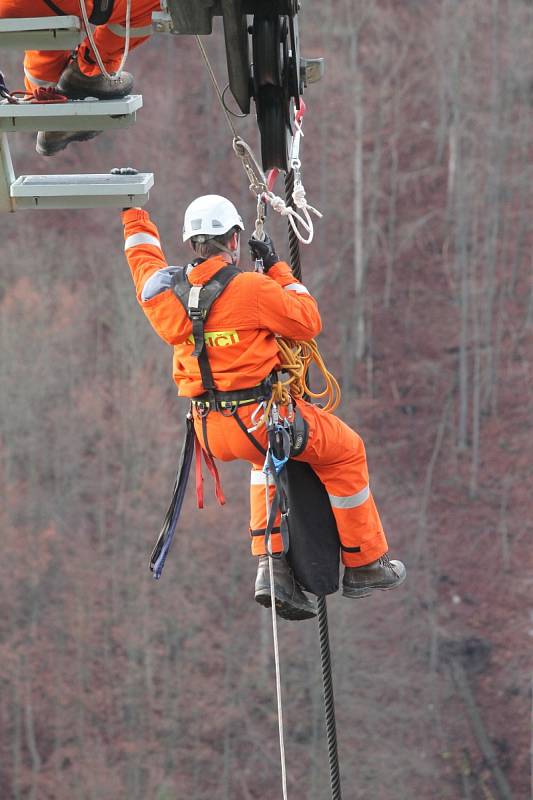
(264, 249)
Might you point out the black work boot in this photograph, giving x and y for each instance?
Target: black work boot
(291, 602)
(75, 85)
(380, 574)
(51, 142)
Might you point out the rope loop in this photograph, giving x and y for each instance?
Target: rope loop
(296, 357)
(296, 220)
(89, 32)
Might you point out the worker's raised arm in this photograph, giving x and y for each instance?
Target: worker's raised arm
(152, 276)
(284, 304)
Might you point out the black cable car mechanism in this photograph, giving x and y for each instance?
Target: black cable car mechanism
(271, 70)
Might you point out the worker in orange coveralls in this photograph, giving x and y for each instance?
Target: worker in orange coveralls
(242, 352)
(78, 75)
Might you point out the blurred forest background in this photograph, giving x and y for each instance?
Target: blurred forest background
(418, 149)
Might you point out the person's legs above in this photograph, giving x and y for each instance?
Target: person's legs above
(83, 76)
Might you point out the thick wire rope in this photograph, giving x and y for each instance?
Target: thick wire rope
(329, 700)
(323, 628)
(89, 31)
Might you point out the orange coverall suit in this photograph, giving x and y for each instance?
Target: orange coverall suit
(242, 351)
(43, 67)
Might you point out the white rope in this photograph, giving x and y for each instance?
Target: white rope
(276, 651)
(258, 185)
(87, 24)
(303, 219)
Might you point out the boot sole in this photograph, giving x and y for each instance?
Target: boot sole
(77, 137)
(284, 609)
(83, 94)
(356, 593)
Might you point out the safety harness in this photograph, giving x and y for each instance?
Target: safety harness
(287, 435)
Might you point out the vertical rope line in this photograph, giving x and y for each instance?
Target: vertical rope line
(276, 653)
(278, 678)
(329, 702)
(323, 631)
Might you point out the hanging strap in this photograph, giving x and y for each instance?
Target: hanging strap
(162, 546)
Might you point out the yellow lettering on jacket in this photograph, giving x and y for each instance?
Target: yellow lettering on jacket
(218, 338)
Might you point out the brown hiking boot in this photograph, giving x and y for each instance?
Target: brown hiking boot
(291, 602)
(380, 574)
(51, 142)
(77, 86)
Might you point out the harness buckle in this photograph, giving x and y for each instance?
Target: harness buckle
(202, 408)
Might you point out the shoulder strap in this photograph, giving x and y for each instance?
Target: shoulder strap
(52, 6)
(197, 302)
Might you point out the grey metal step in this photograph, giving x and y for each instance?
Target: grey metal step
(41, 33)
(76, 115)
(81, 191)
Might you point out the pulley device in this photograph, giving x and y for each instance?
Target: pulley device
(278, 73)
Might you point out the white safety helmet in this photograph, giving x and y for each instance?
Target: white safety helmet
(208, 216)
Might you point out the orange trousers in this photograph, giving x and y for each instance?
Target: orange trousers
(43, 67)
(337, 455)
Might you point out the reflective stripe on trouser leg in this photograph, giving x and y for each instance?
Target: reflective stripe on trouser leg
(110, 38)
(43, 68)
(258, 515)
(362, 539)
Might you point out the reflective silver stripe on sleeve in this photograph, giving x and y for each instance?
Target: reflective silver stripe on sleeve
(37, 81)
(257, 477)
(158, 282)
(120, 30)
(352, 501)
(296, 287)
(141, 238)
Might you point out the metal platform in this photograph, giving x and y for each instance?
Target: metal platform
(76, 115)
(41, 33)
(81, 191)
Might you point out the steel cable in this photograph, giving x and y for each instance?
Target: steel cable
(329, 701)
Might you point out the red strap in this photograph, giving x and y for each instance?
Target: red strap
(212, 467)
(199, 476)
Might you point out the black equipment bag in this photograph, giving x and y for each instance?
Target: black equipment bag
(314, 547)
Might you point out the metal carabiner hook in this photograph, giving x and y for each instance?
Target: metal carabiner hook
(253, 419)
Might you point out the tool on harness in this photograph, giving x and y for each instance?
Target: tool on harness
(277, 455)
